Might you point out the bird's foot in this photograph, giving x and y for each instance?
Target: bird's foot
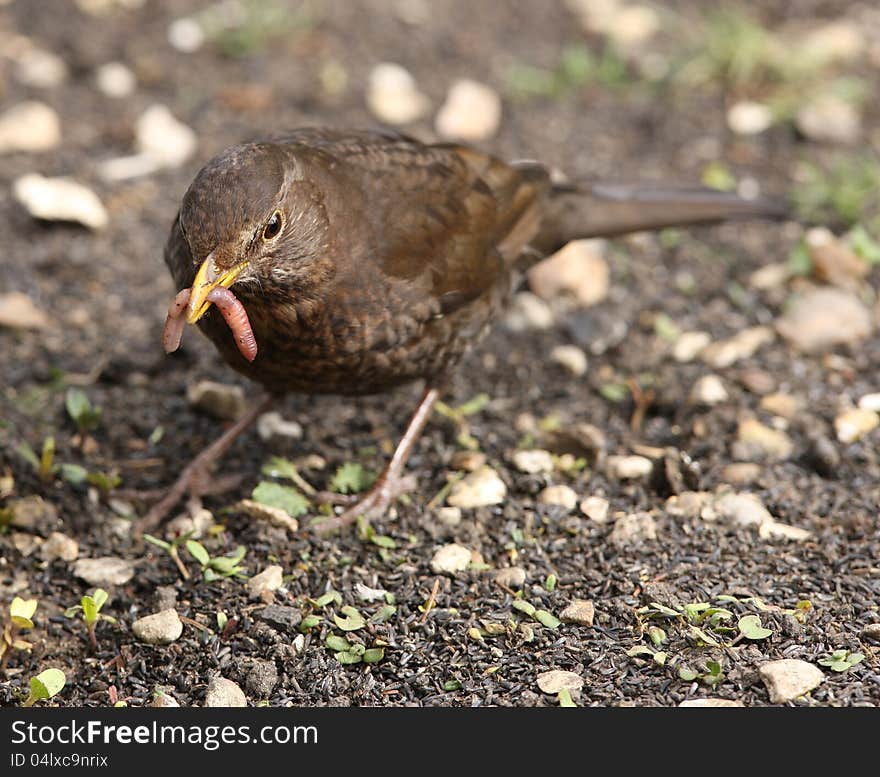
(373, 504)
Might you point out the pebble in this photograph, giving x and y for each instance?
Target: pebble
(840, 41)
(471, 112)
(870, 402)
(775, 530)
(560, 495)
(711, 703)
(281, 616)
(825, 317)
(162, 628)
(629, 467)
(115, 80)
(756, 381)
(689, 345)
(393, 95)
(571, 358)
(742, 509)
(478, 489)
(749, 118)
(533, 461)
(367, 594)
(830, 119)
(260, 676)
(782, 405)
(164, 699)
(853, 424)
(741, 346)
(451, 558)
(708, 390)
(40, 69)
(628, 25)
(26, 544)
(224, 693)
(579, 611)
(30, 127)
(105, 571)
(186, 35)
(871, 631)
(578, 270)
(740, 473)
(633, 529)
(469, 461)
(17, 311)
(770, 276)
(688, 504)
(557, 679)
(512, 577)
(34, 514)
(218, 400)
(755, 441)
(195, 525)
(528, 311)
(274, 515)
(59, 546)
(595, 508)
(267, 581)
(833, 261)
(449, 516)
(60, 199)
(788, 678)
(272, 424)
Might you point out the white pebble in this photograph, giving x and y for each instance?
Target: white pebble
(393, 95)
(162, 628)
(186, 35)
(853, 424)
(708, 390)
(29, 126)
(557, 679)
(595, 508)
(689, 345)
(450, 559)
(749, 118)
(40, 69)
(788, 678)
(629, 467)
(571, 357)
(870, 402)
(577, 270)
(60, 199)
(273, 424)
(472, 111)
(267, 581)
(115, 80)
(478, 489)
(224, 693)
(560, 495)
(533, 461)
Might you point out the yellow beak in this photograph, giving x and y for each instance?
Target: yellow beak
(207, 279)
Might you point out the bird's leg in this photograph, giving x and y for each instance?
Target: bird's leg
(195, 475)
(377, 500)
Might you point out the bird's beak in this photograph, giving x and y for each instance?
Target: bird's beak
(207, 279)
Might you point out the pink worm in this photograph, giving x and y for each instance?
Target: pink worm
(175, 322)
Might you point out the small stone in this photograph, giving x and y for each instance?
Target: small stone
(789, 678)
(724, 353)
(633, 529)
(853, 424)
(528, 311)
(260, 676)
(533, 461)
(273, 424)
(115, 80)
(689, 345)
(688, 504)
(560, 495)
(367, 594)
(59, 546)
(770, 276)
(756, 381)
(269, 580)
(580, 439)
(60, 199)
(469, 461)
(871, 631)
(840, 41)
(478, 489)
(758, 442)
(218, 400)
(163, 699)
(512, 577)
(578, 270)
(26, 544)
(632, 26)
(33, 514)
(711, 703)
(40, 69)
(194, 526)
(29, 127)
(870, 402)
(629, 467)
(782, 405)
(749, 118)
(281, 617)
(579, 611)
(571, 358)
(224, 693)
(393, 96)
(163, 628)
(164, 138)
(17, 311)
(823, 455)
(451, 558)
(775, 530)
(274, 515)
(741, 509)
(595, 508)
(556, 680)
(741, 473)
(833, 261)
(472, 112)
(825, 317)
(830, 119)
(186, 35)
(449, 516)
(708, 390)
(105, 571)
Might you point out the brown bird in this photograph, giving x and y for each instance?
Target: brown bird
(350, 262)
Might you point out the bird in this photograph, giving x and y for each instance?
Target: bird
(351, 262)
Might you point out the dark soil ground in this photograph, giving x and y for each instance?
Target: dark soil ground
(107, 294)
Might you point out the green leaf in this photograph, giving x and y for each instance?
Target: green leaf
(222, 619)
(638, 651)
(614, 392)
(523, 606)
(309, 622)
(452, 685)
(74, 474)
(105, 482)
(331, 596)
(351, 478)
(157, 542)
(337, 644)
(717, 175)
(47, 683)
(100, 596)
(352, 621)
(81, 410)
(564, 697)
(474, 405)
(283, 497)
(750, 627)
(373, 655)
(277, 467)
(90, 611)
(864, 245)
(71, 611)
(385, 612)
(198, 552)
(383, 541)
(547, 619)
(23, 610)
(662, 609)
(656, 635)
(348, 657)
(550, 582)
(687, 674)
(702, 636)
(27, 453)
(660, 658)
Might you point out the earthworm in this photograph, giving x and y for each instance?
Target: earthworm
(175, 322)
(237, 319)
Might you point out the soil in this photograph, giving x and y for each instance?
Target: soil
(107, 294)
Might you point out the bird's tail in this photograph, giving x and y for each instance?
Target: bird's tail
(583, 210)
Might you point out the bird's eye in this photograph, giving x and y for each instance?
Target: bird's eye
(273, 226)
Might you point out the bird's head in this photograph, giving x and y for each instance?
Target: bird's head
(251, 218)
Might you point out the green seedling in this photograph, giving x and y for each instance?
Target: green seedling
(351, 478)
(278, 467)
(90, 607)
(282, 497)
(21, 613)
(44, 464)
(712, 676)
(82, 412)
(217, 567)
(846, 193)
(353, 652)
(842, 660)
(458, 415)
(45, 685)
(172, 549)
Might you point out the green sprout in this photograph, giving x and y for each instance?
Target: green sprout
(216, 567)
(44, 464)
(171, 548)
(44, 686)
(90, 607)
(842, 660)
(82, 412)
(21, 613)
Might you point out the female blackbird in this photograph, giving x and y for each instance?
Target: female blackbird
(348, 262)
